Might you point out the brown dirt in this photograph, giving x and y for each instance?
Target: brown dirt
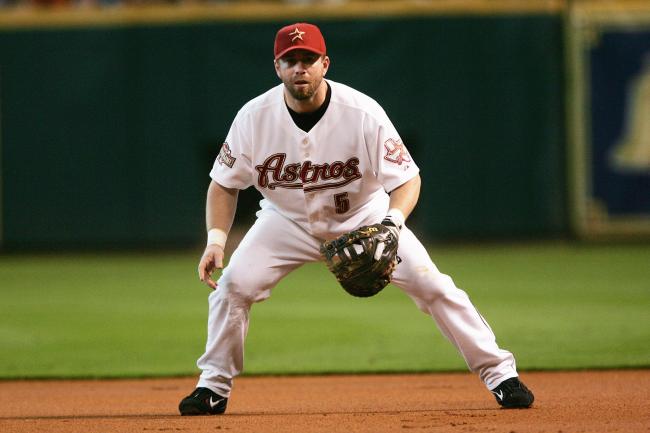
(566, 402)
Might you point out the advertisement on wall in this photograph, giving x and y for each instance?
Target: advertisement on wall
(609, 120)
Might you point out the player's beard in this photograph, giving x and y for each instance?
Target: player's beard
(303, 93)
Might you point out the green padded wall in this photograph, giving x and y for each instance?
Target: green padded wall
(108, 133)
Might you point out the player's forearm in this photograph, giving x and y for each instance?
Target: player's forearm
(405, 196)
(220, 207)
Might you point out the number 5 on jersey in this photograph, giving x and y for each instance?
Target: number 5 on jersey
(341, 202)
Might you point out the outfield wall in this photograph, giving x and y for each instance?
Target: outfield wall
(110, 126)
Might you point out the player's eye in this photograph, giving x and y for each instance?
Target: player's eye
(307, 59)
(290, 60)
(310, 59)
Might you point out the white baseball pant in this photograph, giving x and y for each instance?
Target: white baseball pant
(275, 245)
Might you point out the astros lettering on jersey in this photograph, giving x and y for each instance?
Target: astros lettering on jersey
(300, 173)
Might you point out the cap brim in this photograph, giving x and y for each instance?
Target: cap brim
(298, 47)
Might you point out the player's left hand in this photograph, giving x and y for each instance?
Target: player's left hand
(393, 226)
(364, 259)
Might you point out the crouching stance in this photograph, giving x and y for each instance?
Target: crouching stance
(327, 161)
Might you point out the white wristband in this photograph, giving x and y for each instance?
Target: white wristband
(397, 216)
(217, 237)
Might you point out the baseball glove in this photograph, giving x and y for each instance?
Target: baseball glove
(363, 259)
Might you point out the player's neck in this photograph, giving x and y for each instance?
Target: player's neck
(307, 105)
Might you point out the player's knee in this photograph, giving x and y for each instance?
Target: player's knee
(443, 283)
(431, 287)
(243, 287)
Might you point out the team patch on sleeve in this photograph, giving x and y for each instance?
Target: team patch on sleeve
(396, 152)
(225, 157)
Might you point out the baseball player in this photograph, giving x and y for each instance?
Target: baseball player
(327, 160)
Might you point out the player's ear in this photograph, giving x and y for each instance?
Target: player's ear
(326, 64)
(276, 64)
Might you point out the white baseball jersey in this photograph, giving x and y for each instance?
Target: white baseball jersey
(329, 180)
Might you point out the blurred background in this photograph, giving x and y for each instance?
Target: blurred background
(111, 115)
(528, 119)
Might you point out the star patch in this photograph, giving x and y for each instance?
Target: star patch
(225, 157)
(396, 152)
(297, 34)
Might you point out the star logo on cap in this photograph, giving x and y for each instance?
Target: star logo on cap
(297, 34)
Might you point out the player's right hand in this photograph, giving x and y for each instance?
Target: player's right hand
(212, 259)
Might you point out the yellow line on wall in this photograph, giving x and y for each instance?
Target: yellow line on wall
(263, 11)
(611, 11)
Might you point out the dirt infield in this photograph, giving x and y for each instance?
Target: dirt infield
(566, 402)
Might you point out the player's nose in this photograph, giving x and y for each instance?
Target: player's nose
(300, 71)
(301, 66)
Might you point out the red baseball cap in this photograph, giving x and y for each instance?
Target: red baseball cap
(299, 36)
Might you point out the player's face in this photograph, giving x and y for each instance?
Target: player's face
(302, 72)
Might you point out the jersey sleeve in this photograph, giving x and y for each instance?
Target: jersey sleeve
(390, 159)
(232, 168)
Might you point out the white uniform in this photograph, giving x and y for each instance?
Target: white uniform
(318, 185)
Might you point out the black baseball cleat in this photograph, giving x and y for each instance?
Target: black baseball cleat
(511, 394)
(203, 401)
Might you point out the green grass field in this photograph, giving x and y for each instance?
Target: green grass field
(557, 306)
